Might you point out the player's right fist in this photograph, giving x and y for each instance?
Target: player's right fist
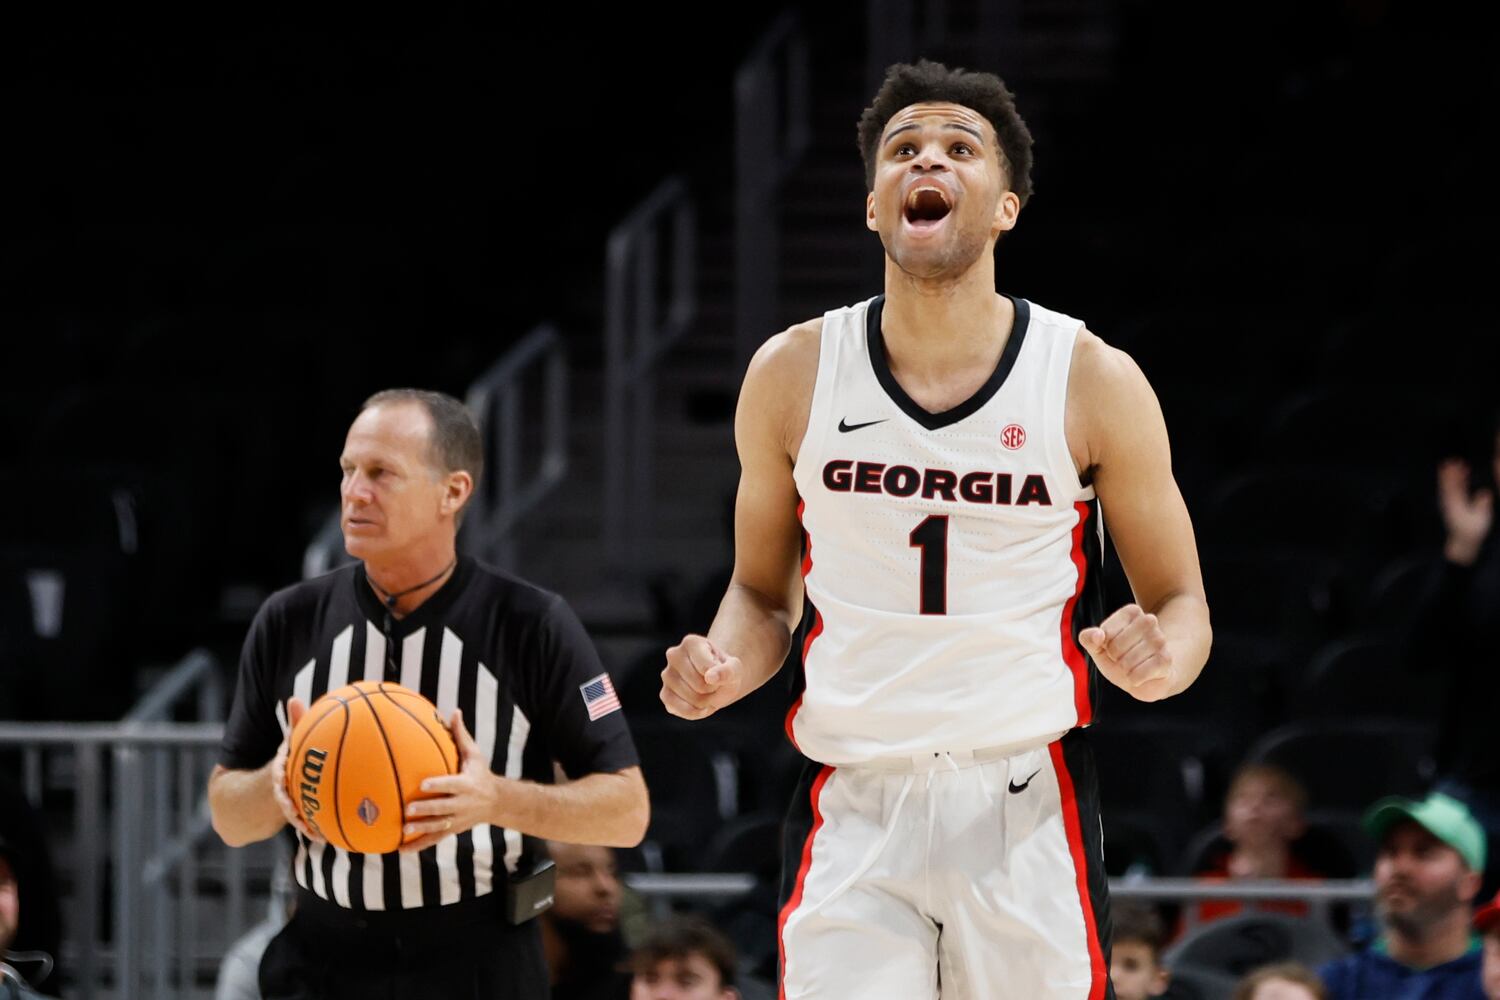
(699, 679)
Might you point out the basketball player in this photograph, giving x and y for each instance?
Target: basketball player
(507, 662)
(936, 461)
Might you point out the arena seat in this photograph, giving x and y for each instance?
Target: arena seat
(1395, 593)
(750, 843)
(1352, 762)
(1136, 842)
(1363, 676)
(1158, 766)
(684, 792)
(1236, 945)
(1189, 982)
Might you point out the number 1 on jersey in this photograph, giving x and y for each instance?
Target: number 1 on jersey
(931, 536)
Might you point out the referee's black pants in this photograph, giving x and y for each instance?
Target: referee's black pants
(453, 952)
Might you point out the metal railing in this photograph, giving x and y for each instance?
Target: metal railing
(141, 838)
(771, 134)
(510, 490)
(1320, 895)
(650, 300)
(140, 842)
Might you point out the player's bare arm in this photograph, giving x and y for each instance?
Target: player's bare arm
(1155, 647)
(752, 632)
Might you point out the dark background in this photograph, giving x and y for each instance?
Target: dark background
(223, 233)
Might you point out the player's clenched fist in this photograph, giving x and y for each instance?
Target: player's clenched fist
(699, 679)
(1130, 650)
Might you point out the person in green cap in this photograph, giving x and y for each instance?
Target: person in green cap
(1427, 873)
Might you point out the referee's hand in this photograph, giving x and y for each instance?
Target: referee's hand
(699, 679)
(459, 801)
(294, 711)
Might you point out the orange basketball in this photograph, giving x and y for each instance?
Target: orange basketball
(359, 756)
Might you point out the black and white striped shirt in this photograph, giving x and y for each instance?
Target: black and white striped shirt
(514, 657)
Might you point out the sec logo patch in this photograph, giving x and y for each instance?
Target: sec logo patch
(1013, 437)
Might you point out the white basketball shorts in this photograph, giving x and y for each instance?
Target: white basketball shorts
(959, 876)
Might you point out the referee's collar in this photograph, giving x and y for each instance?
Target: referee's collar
(434, 607)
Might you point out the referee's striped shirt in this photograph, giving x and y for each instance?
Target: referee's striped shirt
(511, 655)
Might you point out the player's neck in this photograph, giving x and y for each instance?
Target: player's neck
(1444, 941)
(413, 576)
(932, 328)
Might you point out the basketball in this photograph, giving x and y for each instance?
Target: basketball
(358, 756)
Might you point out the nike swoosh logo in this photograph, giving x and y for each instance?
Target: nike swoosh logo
(1022, 786)
(845, 426)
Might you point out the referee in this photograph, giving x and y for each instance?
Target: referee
(507, 662)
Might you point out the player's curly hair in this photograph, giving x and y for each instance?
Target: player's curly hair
(914, 83)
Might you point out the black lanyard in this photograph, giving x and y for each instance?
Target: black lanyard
(392, 669)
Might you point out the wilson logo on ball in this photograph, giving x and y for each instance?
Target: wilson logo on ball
(312, 776)
(1013, 437)
(368, 812)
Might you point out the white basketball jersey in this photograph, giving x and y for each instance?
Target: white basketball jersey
(952, 558)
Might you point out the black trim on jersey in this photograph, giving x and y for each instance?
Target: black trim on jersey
(795, 831)
(1078, 758)
(796, 673)
(1089, 611)
(986, 392)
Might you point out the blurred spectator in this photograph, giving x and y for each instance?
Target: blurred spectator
(1426, 876)
(1458, 617)
(34, 926)
(684, 959)
(581, 933)
(1135, 963)
(1263, 819)
(239, 972)
(1487, 925)
(1282, 981)
(13, 985)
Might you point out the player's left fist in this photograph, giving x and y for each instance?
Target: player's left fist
(1131, 651)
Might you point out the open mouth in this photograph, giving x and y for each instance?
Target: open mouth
(926, 205)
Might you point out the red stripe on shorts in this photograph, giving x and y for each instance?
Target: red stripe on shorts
(1071, 651)
(1074, 828)
(795, 900)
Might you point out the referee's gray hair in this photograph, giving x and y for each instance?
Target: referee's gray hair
(454, 444)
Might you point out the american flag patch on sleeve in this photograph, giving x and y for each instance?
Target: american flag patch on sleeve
(599, 697)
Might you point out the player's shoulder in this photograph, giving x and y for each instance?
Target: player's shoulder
(789, 353)
(1099, 367)
(779, 383)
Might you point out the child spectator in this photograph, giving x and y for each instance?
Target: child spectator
(1282, 981)
(1135, 965)
(1263, 819)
